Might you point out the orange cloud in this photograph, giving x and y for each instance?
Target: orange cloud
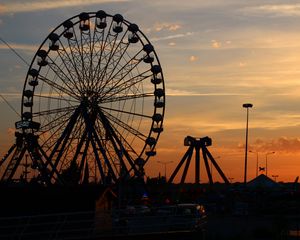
(281, 144)
(20, 46)
(242, 64)
(216, 44)
(166, 26)
(2, 8)
(281, 10)
(193, 58)
(11, 131)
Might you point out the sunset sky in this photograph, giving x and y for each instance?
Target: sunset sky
(216, 55)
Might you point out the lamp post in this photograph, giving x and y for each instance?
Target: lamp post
(247, 106)
(267, 161)
(256, 161)
(165, 163)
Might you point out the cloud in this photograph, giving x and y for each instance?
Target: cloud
(281, 144)
(32, 6)
(216, 44)
(193, 58)
(11, 131)
(177, 92)
(181, 35)
(171, 27)
(20, 47)
(11, 94)
(242, 64)
(2, 8)
(276, 10)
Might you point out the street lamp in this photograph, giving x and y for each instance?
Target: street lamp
(267, 161)
(256, 161)
(247, 106)
(165, 163)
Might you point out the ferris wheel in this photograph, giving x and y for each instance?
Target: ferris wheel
(93, 101)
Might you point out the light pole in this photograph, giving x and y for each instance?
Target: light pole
(165, 163)
(267, 161)
(256, 161)
(247, 106)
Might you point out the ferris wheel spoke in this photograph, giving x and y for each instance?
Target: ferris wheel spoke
(126, 85)
(50, 141)
(130, 113)
(76, 61)
(70, 65)
(126, 97)
(76, 49)
(110, 55)
(58, 87)
(104, 43)
(126, 142)
(100, 53)
(57, 122)
(125, 126)
(127, 68)
(54, 111)
(130, 64)
(63, 76)
(86, 58)
(56, 98)
(114, 63)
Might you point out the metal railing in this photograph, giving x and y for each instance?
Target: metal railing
(93, 225)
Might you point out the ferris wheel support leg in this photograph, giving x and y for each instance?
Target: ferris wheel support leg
(92, 134)
(48, 162)
(98, 161)
(10, 150)
(63, 139)
(115, 140)
(110, 169)
(78, 150)
(13, 164)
